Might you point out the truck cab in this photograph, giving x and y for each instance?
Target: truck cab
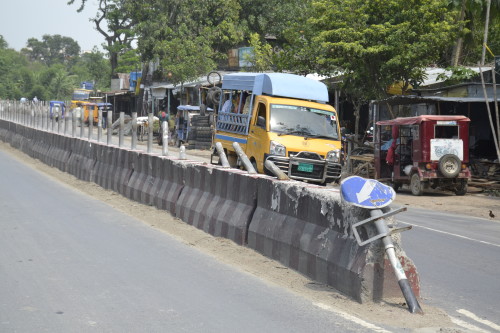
(283, 118)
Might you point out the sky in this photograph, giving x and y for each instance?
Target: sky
(24, 19)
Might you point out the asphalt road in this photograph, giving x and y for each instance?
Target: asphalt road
(70, 263)
(458, 259)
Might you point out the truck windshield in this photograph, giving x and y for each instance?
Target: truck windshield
(303, 121)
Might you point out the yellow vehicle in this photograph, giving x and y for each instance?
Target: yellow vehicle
(87, 108)
(283, 118)
(79, 96)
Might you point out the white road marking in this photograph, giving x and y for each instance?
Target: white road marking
(352, 318)
(479, 320)
(451, 234)
(467, 326)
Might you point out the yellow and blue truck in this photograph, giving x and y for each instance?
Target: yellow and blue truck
(283, 118)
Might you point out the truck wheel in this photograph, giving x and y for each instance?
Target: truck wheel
(462, 187)
(416, 186)
(449, 165)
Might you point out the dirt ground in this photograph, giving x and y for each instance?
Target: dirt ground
(391, 313)
(473, 203)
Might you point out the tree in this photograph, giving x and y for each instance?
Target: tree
(11, 63)
(93, 66)
(187, 37)
(52, 49)
(261, 59)
(471, 18)
(3, 43)
(377, 43)
(119, 22)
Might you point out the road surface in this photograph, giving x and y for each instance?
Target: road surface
(71, 263)
(458, 259)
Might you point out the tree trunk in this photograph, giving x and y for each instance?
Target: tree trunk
(486, 27)
(357, 107)
(457, 48)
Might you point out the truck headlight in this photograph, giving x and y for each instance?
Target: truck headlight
(277, 149)
(333, 155)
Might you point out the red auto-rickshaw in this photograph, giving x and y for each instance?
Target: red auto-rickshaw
(423, 151)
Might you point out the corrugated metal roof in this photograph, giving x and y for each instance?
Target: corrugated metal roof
(411, 99)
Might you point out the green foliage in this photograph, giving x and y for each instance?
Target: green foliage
(3, 43)
(377, 43)
(25, 75)
(129, 61)
(456, 75)
(52, 49)
(186, 36)
(261, 59)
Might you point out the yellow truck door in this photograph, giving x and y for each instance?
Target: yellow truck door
(258, 141)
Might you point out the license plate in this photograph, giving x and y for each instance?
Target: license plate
(305, 167)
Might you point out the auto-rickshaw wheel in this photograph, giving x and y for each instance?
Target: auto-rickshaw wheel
(416, 186)
(449, 165)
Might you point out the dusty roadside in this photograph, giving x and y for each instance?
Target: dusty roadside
(392, 314)
(471, 204)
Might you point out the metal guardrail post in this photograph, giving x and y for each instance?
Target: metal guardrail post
(73, 123)
(82, 122)
(164, 133)
(244, 158)
(182, 153)
(120, 130)
(91, 126)
(53, 122)
(109, 126)
(99, 125)
(66, 120)
(150, 132)
(134, 131)
(58, 118)
(275, 170)
(222, 155)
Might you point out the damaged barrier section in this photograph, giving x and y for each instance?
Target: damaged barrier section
(307, 228)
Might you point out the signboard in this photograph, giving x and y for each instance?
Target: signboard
(366, 193)
(441, 147)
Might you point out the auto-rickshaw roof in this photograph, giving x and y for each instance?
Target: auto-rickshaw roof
(57, 103)
(420, 119)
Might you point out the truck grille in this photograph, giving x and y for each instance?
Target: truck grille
(312, 166)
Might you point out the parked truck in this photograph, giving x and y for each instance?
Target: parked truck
(283, 118)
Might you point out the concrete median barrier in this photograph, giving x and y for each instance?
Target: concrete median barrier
(308, 229)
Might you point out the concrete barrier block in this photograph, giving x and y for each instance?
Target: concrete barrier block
(104, 165)
(168, 184)
(82, 161)
(218, 201)
(125, 168)
(142, 179)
